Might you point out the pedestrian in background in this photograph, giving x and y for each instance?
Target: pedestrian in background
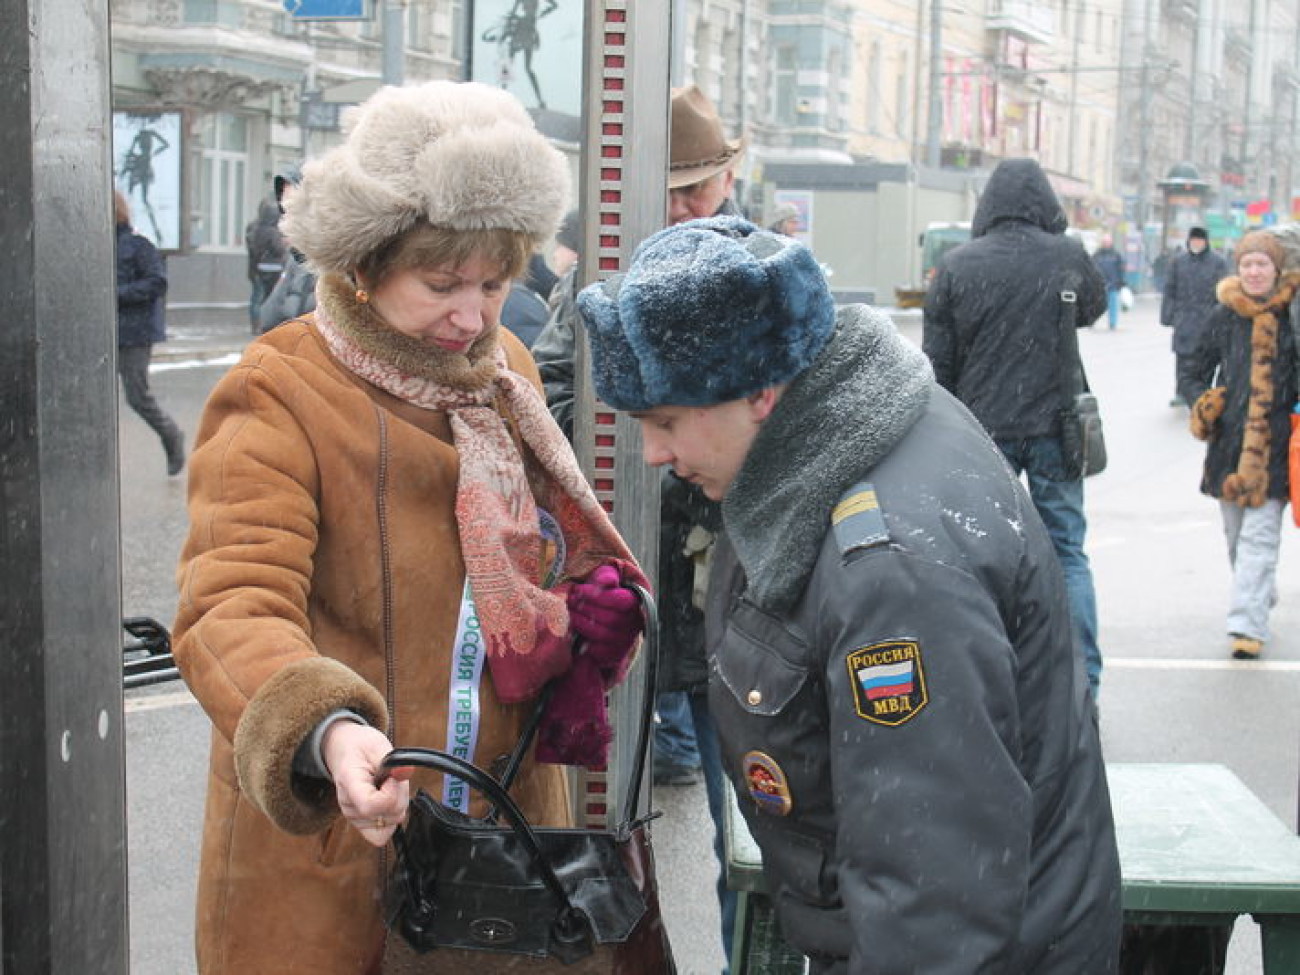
(266, 258)
(141, 323)
(390, 537)
(1110, 263)
(1241, 382)
(785, 220)
(701, 176)
(294, 293)
(993, 325)
(1188, 298)
(894, 685)
(568, 242)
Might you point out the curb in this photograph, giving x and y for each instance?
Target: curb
(207, 353)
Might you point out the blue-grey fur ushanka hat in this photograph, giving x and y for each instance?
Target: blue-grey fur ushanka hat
(708, 311)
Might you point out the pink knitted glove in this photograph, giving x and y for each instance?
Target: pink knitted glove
(575, 723)
(607, 615)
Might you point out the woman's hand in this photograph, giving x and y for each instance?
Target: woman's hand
(607, 615)
(1206, 411)
(353, 753)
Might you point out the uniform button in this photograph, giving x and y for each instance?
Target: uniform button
(754, 697)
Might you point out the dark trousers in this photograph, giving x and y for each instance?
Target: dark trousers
(706, 740)
(133, 367)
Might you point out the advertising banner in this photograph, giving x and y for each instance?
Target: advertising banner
(147, 156)
(533, 49)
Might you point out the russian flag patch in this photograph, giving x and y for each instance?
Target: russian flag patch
(888, 681)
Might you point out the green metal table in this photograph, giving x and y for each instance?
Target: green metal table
(757, 947)
(1196, 846)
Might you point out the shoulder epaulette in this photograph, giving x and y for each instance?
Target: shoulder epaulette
(857, 519)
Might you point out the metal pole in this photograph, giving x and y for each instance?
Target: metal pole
(934, 129)
(677, 48)
(1189, 138)
(62, 781)
(394, 42)
(1250, 83)
(1144, 138)
(1072, 140)
(623, 200)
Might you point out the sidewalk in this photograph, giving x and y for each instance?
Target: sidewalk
(203, 341)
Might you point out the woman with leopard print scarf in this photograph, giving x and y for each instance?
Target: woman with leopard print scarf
(1242, 384)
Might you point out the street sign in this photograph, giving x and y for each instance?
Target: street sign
(326, 9)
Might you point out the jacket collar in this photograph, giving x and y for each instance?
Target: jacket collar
(836, 421)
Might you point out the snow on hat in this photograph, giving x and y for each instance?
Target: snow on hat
(460, 155)
(709, 311)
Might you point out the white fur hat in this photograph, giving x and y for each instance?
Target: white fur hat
(462, 155)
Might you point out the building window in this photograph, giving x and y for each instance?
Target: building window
(784, 80)
(874, 95)
(419, 34)
(902, 99)
(459, 39)
(223, 177)
(835, 77)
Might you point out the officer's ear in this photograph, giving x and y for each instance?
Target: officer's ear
(762, 403)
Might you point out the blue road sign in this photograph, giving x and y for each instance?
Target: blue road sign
(326, 9)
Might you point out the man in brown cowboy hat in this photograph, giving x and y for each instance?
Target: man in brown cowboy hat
(700, 180)
(700, 173)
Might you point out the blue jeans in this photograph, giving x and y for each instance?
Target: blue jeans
(706, 738)
(1060, 505)
(1112, 306)
(675, 744)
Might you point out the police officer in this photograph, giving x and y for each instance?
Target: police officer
(899, 706)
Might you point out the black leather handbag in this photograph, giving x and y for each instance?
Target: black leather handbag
(571, 900)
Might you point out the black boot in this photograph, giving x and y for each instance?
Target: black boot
(174, 444)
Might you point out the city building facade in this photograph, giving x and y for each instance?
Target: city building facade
(1146, 114)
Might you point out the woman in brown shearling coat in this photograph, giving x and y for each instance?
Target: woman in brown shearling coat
(1242, 384)
(390, 539)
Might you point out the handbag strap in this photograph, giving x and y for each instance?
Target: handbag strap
(646, 717)
(1071, 377)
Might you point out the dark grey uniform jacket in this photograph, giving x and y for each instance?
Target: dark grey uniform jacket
(955, 819)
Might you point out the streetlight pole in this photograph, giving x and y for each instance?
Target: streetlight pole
(934, 128)
(394, 42)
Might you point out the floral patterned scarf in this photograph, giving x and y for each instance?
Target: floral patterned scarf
(525, 622)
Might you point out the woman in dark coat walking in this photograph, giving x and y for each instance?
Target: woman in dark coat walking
(141, 289)
(1242, 383)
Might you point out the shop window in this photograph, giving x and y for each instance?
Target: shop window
(223, 181)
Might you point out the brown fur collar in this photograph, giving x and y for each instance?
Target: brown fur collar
(1248, 485)
(473, 370)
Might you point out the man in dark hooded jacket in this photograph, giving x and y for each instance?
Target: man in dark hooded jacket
(1189, 297)
(993, 330)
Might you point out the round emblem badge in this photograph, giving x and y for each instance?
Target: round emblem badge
(767, 784)
(554, 549)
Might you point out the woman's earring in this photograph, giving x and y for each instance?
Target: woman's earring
(363, 296)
